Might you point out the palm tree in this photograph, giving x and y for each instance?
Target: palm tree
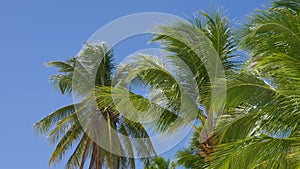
(64, 128)
(260, 122)
(192, 44)
(260, 128)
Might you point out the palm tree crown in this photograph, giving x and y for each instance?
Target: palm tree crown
(65, 130)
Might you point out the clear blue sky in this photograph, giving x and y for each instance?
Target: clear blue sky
(33, 32)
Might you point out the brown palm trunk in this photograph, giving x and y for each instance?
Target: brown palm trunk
(206, 148)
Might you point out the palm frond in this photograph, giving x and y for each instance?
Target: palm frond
(65, 143)
(190, 157)
(254, 152)
(44, 125)
(79, 154)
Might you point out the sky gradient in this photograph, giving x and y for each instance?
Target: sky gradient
(33, 32)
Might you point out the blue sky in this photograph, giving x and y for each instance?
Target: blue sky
(33, 32)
